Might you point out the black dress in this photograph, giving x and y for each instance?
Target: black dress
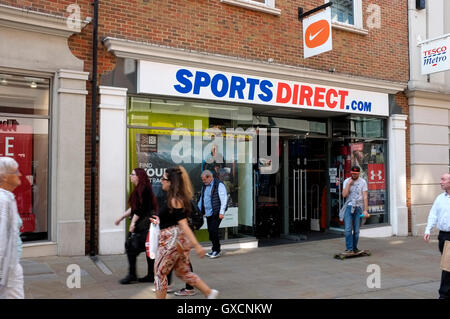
(135, 243)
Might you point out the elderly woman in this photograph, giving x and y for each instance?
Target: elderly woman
(11, 273)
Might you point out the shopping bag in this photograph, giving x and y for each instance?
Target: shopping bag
(445, 260)
(153, 237)
(147, 244)
(315, 221)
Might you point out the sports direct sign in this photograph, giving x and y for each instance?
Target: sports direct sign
(435, 56)
(172, 80)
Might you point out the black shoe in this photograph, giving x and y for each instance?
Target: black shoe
(146, 279)
(128, 280)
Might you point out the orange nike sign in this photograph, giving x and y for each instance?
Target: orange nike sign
(317, 34)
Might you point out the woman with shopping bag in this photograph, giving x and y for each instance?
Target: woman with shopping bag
(142, 203)
(175, 237)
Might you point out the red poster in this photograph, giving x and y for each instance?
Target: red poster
(376, 176)
(16, 141)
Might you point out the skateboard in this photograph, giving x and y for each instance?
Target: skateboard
(344, 255)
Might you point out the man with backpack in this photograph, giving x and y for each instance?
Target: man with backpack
(213, 204)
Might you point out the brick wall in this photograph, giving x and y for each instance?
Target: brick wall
(213, 27)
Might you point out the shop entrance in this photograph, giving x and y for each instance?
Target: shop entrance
(305, 169)
(291, 204)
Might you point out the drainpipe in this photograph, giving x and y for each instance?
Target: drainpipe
(94, 127)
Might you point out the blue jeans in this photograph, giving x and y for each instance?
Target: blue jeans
(351, 224)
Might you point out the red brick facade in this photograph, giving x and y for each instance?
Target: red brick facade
(218, 28)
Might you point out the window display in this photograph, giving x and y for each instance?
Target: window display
(163, 134)
(359, 141)
(24, 126)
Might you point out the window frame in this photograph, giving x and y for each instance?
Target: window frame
(358, 26)
(267, 7)
(49, 117)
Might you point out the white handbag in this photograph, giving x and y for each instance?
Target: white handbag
(154, 238)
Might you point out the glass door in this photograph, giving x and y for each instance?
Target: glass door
(292, 201)
(306, 207)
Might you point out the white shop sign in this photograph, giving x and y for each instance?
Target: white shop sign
(435, 56)
(191, 82)
(229, 220)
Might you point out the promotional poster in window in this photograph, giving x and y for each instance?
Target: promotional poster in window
(157, 152)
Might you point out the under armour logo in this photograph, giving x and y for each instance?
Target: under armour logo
(372, 175)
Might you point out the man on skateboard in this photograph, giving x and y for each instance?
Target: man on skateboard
(355, 190)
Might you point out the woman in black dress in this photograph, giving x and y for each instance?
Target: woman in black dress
(142, 203)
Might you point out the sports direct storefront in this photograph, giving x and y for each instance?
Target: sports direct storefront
(281, 143)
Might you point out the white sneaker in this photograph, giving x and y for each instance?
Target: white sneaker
(170, 289)
(213, 294)
(215, 254)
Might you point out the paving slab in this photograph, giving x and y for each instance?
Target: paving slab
(409, 268)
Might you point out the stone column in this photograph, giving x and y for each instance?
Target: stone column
(112, 169)
(429, 120)
(68, 163)
(397, 175)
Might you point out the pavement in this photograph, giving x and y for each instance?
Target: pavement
(408, 268)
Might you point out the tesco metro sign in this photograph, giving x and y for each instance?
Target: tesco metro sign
(435, 56)
(190, 82)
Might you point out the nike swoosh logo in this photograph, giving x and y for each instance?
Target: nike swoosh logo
(312, 36)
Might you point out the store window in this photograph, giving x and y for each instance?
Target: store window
(269, 3)
(166, 133)
(267, 6)
(342, 11)
(362, 142)
(347, 12)
(24, 127)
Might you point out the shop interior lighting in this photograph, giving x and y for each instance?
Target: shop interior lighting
(33, 82)
(4, 78)
(164, 102)
(213, 107)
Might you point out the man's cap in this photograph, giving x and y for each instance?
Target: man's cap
(355, 169)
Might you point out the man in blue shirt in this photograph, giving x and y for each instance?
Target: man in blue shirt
(213, 203)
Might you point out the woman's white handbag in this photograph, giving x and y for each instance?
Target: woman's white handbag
(151, 244)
